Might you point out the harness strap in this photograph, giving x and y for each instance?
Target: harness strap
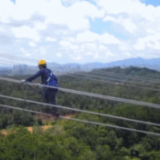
(49, 78)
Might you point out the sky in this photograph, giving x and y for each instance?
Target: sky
(80, 31)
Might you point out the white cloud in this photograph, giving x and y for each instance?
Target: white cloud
(128, 54)
(140, 45)
(125, 46)
(42, 21)
(150, 31)
(108, 39)
(32, 44)
(40, 26)
(89, 36)
(53, 11)
(28, 55)
(76, 57)
(51, 39)
(89, 46)
(26, 32)
(109, 18)
(109, 53)
(58, 54)
(76, 16)
(62, 32)
(69, 45)
(103, 48)
(127, 23)
(6, 7)
(42, 51)
(140, 20)
(130, 7)
(89, 53)
(152, 42)
(96, 55)
(23, 50)
(1, 29)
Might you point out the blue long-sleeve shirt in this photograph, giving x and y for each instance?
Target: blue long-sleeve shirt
(45, 74)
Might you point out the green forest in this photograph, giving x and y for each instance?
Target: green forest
(71, 140)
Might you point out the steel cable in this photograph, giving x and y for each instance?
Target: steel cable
(117, 99)
(85, 121)
(80, 110)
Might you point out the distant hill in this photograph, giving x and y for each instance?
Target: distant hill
(74, 67)
(137, 62)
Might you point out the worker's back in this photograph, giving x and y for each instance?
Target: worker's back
(48, 77)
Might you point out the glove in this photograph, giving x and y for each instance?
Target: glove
(23, 81)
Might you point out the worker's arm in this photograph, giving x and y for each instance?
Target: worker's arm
(39, 73)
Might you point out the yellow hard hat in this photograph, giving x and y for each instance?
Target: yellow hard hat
(42, 62)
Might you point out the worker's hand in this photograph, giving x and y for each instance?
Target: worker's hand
(23, 81)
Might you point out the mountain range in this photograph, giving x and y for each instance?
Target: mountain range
(74, 67)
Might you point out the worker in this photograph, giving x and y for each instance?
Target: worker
(48, 79)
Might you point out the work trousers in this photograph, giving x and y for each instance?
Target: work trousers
(50, 97)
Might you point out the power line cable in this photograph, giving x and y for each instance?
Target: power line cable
(80, 110)
(85, 121)
(110, 73)
(16, 63)
(17, 57)
(90, 78)
(114, 126)
(122, 75)
(125, 79)
(109, 82)
(24, 59)
(117, 99)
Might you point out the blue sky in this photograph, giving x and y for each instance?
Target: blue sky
(147, 2)
(151, 2)
(80, 31)
(100, 27)
(68, 3)
(13, 1)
